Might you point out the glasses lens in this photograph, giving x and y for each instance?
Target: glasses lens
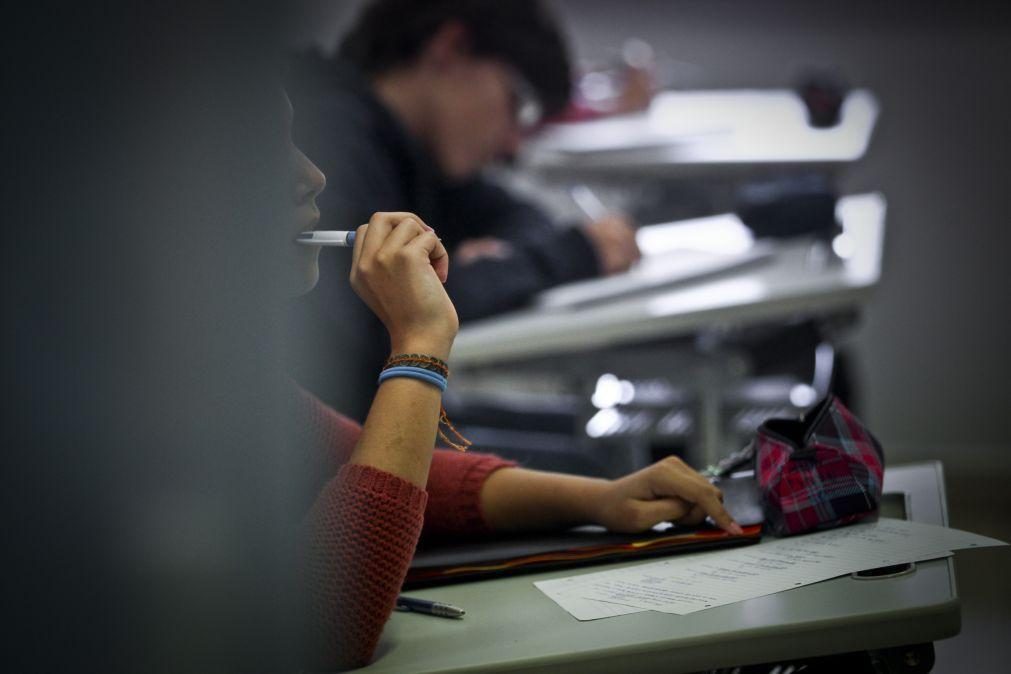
(528, 115)
(528, 109)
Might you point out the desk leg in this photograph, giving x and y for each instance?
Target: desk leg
(715, 371)
(710, 421)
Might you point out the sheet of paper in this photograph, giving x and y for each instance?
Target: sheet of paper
(567, 593)
(685, 584)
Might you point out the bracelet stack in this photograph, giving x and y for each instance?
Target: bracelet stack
(430, 370)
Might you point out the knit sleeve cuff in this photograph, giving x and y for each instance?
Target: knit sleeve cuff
(454, 487)
(360, 536)
(381, 483)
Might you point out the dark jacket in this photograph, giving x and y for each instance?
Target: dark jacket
(372, 164)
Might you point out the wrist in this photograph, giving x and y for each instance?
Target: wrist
(439, 347)
(592, 500)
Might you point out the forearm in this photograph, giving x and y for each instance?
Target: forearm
(399, 433)
(516, 499)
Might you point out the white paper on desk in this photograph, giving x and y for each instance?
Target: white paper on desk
(692, 583)
(567, 593)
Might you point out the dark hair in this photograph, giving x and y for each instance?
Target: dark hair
(392, 33)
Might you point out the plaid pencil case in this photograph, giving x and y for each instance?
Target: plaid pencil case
(818, 472)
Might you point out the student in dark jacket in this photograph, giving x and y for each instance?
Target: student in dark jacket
(421, 96)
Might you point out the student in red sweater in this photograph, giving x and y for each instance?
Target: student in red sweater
(386, 484)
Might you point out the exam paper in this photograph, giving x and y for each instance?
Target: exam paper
(567, 593)
(685, 584)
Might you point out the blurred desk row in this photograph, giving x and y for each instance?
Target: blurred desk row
(689, 132)
(798, 276)
(739, 310)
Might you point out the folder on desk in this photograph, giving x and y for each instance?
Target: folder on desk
(452, 562)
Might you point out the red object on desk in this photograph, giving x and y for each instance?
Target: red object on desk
(453, 563)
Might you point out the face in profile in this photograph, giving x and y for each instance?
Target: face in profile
(306, 181)
(475, 123)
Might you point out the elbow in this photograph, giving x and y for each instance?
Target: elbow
(344, 656)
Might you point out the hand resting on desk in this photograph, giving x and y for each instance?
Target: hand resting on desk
(516, 499)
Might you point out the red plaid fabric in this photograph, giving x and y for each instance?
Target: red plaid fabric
(819, 472)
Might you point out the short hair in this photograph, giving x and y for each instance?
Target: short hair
(392, 33)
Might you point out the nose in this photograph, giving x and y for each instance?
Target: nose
(310, 180)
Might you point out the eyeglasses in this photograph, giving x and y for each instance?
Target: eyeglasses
(527, 107)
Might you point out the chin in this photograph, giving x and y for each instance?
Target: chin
(310, 279)
(305, 272)
(459, 168)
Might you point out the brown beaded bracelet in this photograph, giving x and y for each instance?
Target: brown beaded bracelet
(420, 360)
(411, 362)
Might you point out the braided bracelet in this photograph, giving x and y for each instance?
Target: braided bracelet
(419, 360)
(430, 370)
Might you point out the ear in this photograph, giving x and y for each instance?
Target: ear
(448, 47)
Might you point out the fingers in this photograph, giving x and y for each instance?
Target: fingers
(405, 231)
(388, 232)
(430, 245)
(675, 478)
(356, 251)
(379, 227)
(613, 238)
(694, 517)
(410, 235)
(649, 513)
(624, 235)
(633, 247)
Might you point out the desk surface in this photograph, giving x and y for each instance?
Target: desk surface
(788, 284)
(687, 132)
(512, 626)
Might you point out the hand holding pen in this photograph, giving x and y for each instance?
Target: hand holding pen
(398, 268)
(612, 235)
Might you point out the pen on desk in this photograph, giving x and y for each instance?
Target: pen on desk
(339, 239)
(438, 608)
(589, 202)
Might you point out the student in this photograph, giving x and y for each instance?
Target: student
(421, 96)
(385, 485)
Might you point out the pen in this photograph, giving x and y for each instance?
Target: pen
(339, 239)
(589, 202)
(438, 608)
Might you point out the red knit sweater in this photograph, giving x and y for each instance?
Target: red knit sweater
(363, 528)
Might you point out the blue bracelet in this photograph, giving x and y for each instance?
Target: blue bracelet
(412, 372)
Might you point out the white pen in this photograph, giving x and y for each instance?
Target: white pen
(339, 239)
(589, 202)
